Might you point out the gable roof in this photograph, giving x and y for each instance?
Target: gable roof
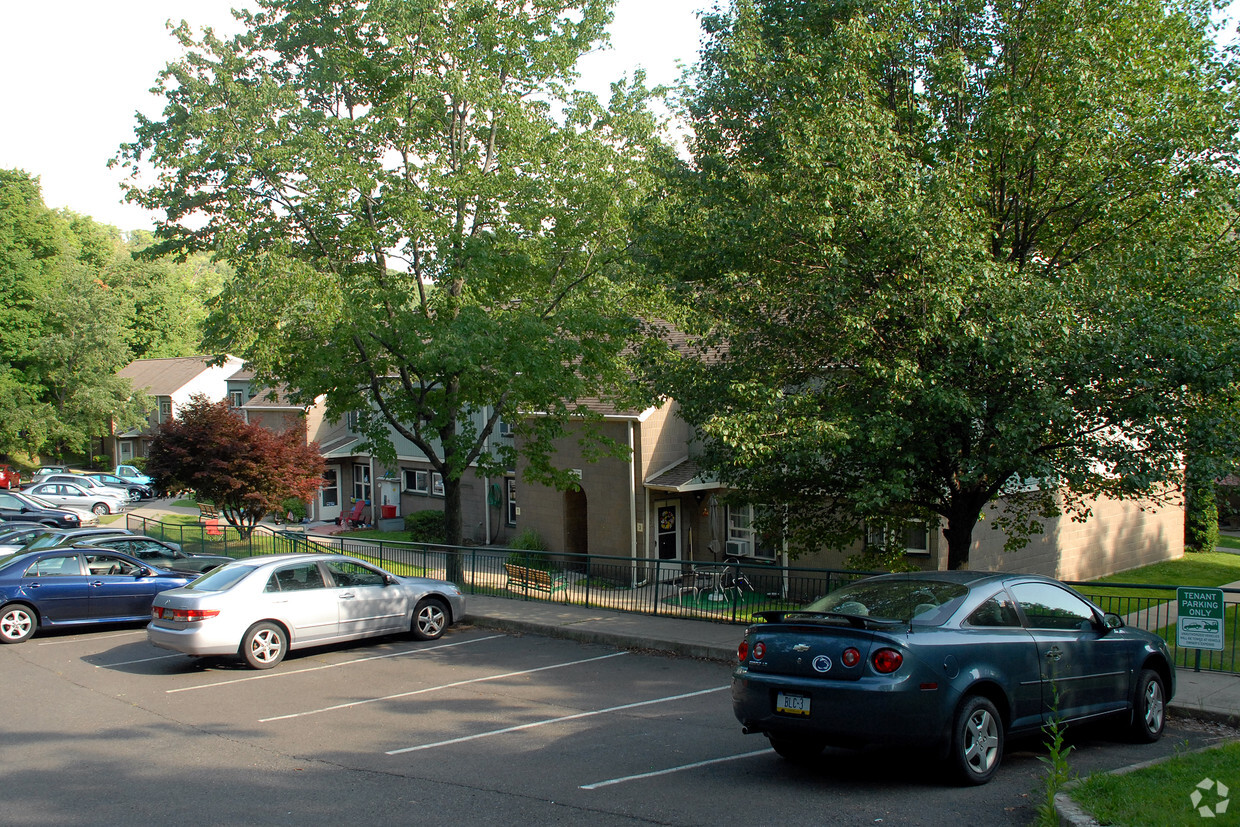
(164, 377)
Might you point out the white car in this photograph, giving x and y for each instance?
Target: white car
(70, 495)
(261, 607)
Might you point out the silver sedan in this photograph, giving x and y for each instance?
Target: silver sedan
(261, 607)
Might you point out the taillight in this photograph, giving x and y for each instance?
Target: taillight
(183, 615)
(742, 651)
(851, 657)
(759, 650)
(887, 661)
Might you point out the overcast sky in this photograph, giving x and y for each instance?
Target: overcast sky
(76, 71)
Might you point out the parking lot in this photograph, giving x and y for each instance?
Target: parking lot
(479, 727)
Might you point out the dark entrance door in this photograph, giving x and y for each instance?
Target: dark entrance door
(667, 521)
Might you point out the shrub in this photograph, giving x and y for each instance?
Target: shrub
(530, 551)
(294, 509)
(426, 526)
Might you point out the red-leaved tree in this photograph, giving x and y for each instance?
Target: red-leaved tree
(246, 470)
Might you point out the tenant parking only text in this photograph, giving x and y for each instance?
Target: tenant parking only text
(1200, 620)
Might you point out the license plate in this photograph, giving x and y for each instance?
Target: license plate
(792, 704)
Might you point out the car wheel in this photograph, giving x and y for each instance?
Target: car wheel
(100, 508)
(977, 741)
(17, 623)
(1149, 709)
(264, 645)
(430, 619)
(796, 749)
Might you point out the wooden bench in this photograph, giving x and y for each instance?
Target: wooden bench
(207, 511)
(525, 578)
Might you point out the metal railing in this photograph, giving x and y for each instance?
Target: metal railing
(722, 592)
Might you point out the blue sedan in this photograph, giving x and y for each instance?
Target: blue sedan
(60, 587)
(949, 661)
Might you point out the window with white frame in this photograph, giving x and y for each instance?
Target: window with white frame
(165, 410)
(361, 482)
(511, 484)
(235, 398)
(505, 428)
(417, 480)
(436, 484)
(743, 539)
(913, 537)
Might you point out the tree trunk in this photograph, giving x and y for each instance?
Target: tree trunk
(961, 521)
(452, 528)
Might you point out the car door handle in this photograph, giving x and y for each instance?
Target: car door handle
(1054, 653)
(347, 596)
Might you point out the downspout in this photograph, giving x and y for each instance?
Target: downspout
(633, 539)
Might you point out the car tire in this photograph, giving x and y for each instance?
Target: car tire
(17, 623)
(264, 645)
(100, 509)
(796, 749)
(977, 741)
(1149, 707)
(430, 619)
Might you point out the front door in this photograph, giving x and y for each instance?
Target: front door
(667, 529)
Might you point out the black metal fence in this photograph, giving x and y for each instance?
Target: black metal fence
(725, 592)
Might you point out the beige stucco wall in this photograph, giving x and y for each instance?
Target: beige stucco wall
(1119, 535)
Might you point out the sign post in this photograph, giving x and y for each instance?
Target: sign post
(1199, 622)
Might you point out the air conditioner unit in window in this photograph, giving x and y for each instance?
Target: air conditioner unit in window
(737, 548)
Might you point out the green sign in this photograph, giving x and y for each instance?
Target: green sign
(1199, 624)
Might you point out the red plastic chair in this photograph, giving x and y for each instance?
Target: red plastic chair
(354, 518)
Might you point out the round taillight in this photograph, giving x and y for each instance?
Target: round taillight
(887, 661)
(759, 650)
(742, 651)
(851, 657)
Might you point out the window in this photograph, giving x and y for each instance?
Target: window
(296, 578)
(417, 480)
(348, 575)
(165, 410)
(55, 567)
(351, 420)
(743, 540)
(331, 491)
(997, 611)
(361, 482)
(505, 429)
(1050, 607)
(913, 537)
(436, 484)
(511, 485)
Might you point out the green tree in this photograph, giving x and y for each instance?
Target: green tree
(958, 252)
(426, 225)
(246, 470)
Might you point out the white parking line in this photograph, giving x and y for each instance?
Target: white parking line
(139, 660)
(533, 724)
(266, 675)
(671, 770)
(437, 688)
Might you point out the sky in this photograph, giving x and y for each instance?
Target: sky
(77, 70)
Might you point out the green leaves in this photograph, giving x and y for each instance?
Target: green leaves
(952, 246)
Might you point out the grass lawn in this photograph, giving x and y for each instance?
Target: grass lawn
(1162, 794)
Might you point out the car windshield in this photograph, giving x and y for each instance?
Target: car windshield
(219, 579)
(924, 602)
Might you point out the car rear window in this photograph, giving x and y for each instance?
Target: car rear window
(923, 602)
(217, 580)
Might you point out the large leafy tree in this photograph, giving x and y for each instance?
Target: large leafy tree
(247, 470)
(426, 225)
(957, 251)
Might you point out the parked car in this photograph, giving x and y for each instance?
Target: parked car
(159, 553)
(137, 491)
(261, 607)
(52, 537)
(15, 538)
(955, 661)
(83, 481)
(65, 587)
(71, 495)
(18, 507)
(10, 477)
(44, 470)
(132, 474)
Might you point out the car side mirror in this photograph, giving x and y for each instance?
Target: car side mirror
(1111, 620)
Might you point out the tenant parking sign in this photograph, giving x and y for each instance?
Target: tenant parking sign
(1200, 621)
